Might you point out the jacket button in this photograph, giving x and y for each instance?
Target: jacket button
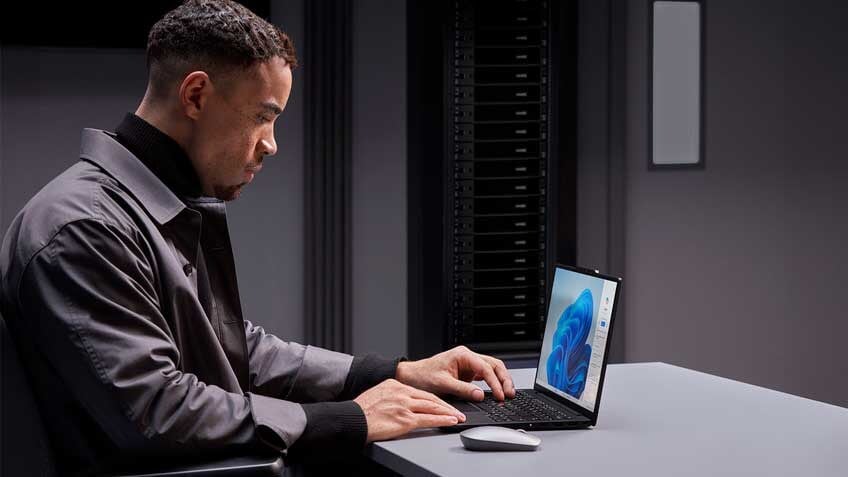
(187, 269)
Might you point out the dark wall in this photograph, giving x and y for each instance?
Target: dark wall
(600, 146)
(378, 208)
(737, 269)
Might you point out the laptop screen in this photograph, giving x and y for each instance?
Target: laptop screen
(575, 338)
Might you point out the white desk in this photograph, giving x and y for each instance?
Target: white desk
(656, 420)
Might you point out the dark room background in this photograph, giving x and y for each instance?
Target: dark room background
(735, 269)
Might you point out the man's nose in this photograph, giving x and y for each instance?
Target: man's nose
(268, 145)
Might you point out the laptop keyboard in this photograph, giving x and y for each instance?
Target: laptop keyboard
(523, 407)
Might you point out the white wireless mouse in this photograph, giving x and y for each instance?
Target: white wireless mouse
(496, 438)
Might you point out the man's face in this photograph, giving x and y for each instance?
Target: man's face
(236, 130)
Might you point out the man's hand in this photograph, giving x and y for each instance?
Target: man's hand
(392, 409)
(450, 372)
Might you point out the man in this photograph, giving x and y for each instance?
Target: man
(118, 280)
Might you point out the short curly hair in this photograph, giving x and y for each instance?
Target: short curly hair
(217, 36)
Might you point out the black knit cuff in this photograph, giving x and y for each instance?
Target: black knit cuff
(332, 428)
(366, 372)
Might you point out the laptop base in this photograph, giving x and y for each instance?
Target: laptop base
(476, 416)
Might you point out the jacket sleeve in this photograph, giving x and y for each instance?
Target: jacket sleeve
(308, 374)
(293, 371)
(91, 301)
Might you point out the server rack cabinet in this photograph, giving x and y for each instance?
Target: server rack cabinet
(488, 163)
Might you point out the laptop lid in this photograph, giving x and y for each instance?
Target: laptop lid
(578, 331)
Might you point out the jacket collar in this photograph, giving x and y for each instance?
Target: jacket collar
(101, 148)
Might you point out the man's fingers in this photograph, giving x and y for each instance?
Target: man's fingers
(436, 400)
(463, 390)
(502, 374)
(434, 420)
(484, 369)
(424, 406)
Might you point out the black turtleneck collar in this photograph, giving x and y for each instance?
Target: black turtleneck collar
(161, 154)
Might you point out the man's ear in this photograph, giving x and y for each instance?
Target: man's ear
(195, 91)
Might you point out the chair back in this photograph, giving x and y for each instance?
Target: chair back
(24, 449)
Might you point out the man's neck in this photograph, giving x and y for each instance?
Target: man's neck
(168, 119)
(162, 119)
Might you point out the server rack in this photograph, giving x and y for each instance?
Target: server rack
(491, 169)
(498, 123)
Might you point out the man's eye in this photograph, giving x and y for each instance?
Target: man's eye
(263, 119)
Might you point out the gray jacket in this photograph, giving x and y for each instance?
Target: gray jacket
(124, 303)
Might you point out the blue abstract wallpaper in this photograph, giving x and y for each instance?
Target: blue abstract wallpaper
(568, 361)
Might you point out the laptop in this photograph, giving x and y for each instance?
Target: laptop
(572, 361)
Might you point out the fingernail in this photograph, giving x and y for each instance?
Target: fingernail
(454, 420)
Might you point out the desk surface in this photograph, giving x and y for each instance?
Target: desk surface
(655, 420)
